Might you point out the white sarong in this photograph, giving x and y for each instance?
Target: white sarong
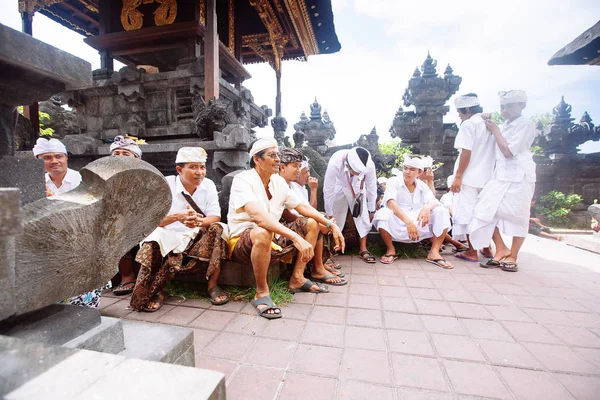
(502, 204)
(439, 220)
(463, 204)
(342, 203)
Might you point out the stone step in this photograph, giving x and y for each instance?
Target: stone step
(107, 337)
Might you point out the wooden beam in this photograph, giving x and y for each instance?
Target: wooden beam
(211, 53)
(278, 95)
(27, 23)
(31, 112)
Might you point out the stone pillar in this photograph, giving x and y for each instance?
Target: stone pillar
(10, 226)
(7, 146)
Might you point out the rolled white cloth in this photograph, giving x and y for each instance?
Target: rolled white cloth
(466, 101)
(414, 162)
(191, 155)
(438, 221)
(263, 144)
(502, 204)
(43, 146)
(512, 96)
(355, 162)
(463, 204)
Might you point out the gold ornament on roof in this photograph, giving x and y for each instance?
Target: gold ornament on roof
(132, 19)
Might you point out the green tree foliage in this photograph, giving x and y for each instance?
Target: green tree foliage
(557, 206)
(44, 119)
(395, 147)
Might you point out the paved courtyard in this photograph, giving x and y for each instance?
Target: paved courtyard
(410, 330)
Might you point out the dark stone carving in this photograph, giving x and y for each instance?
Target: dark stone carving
(594, 211)
(383, 162)
(210, 117)
(562, 136)
(424, 128)
(316, 130)
(279, 125)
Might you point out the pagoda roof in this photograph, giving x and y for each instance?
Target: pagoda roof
(306, 26)
(585, 49)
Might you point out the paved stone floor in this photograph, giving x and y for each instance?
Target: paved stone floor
(411, 330)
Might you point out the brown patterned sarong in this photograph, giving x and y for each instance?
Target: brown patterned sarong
(205, 252)
(351, 236)
(243, 248)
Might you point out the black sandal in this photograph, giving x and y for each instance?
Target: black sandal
(368, 258)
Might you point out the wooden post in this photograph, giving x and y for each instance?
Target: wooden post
(211, 53)
(278, 95)
(31, 112)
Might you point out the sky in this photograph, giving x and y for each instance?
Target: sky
(492, 45)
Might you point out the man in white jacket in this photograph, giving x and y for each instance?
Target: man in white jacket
(350, 190)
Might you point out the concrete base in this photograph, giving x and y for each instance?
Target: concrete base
(35, 370)
(586, 242)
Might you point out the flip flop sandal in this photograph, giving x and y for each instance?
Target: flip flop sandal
(367, 257)
(393, 256)
(121, 291)
(510, 267)
(460, 250)
(266, 301)
(216, 292)
(437, 262)
(333, 264)
(306, 288)
(491, 263)
(325, 278)
(463, 257)
(157, 298)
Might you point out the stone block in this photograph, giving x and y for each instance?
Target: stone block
(107, 337)
(81, 144)
(10, 213)
(25, 173)
(233, 136)
(586, 242)
(157, 118)
(52, 325)
(229, 161)
(79, 236)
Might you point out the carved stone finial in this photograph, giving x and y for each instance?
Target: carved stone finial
(315, 110)
(279, 125)
(417, 73)
(449, 71)
(428, 67)
(562, 114)
(326, 117)
(586, 121)
(373, 131)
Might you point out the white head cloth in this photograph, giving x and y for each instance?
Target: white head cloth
(396, 172)
(191, 155)
(466, 101)
(415, 162)
(126, 144)
(354, 161)
(263, 144)
(512, 96)
(381, 179)
(427, 162)
(304, 164)
(449, 180)
(43, 146)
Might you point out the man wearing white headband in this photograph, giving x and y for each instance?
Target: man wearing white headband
(59, 177)
(257, 202)
(504, 202)
(350, 194)
(473, 168)
(188, 237)
(290, 170)
(304, 179)
(124, 146)
(411, 213)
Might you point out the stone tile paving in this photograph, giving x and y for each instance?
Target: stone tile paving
(410, 330)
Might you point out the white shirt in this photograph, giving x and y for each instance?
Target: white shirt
(336, 182)
(205, 196)
(447, 200)
(397, 190)
(71, 180)
(247, 187)
(519, 134)
(300, 191)
(473, 135)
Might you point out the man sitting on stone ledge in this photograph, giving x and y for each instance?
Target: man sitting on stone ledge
(289, 169)
(188, 235)
(59, 177)
(411, 213)
(258, 199)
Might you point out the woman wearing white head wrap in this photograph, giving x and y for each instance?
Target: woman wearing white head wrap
(350, 178)
(411, 213)
(123, 146)
(504, 202)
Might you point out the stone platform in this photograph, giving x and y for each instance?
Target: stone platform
(585, 242)
(410, 330)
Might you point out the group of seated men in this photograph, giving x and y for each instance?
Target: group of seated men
(272, 217)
